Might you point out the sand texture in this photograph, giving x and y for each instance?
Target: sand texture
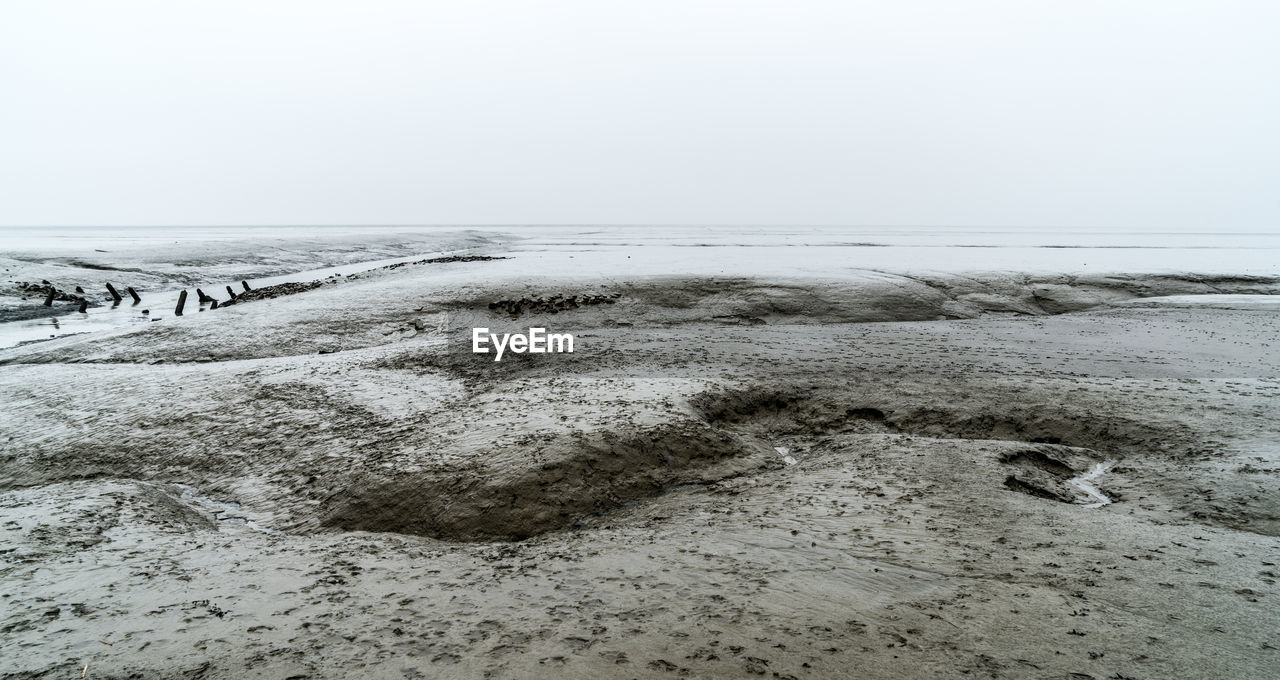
(869, 474)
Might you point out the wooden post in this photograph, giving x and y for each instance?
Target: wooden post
(84, 305)
(201, 297)
(112, 289)
(246, 286)
(230, 292)
(182, 301)
(79, 290)
(213, 304)
(48, 301)
(134, 294)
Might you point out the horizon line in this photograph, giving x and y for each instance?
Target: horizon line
(507, 225)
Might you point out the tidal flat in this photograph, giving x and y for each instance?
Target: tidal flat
(767, 455)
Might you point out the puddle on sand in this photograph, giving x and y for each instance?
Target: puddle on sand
(227, 512)
(1084, 482)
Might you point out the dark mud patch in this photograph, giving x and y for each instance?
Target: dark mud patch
(39, 311)
(580, 476)
(785, 412)
(449, 259)
(97, 266)
(826, 410)
(553, 304)
(1031, 489)
(739, 407)
(1036, 459)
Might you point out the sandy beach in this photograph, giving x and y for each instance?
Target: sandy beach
(851, 459)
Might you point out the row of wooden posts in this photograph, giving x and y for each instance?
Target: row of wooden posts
(213, 304)
(115, 295)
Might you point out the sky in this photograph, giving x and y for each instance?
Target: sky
(1109, 115)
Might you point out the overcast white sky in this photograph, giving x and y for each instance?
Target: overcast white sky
(1093, 114)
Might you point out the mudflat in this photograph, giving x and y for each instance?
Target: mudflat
(1004, 475)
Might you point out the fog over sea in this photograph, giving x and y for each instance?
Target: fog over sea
(896, 248)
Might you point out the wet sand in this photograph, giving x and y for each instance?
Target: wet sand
(330, 484)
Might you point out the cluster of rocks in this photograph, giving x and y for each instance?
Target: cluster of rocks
(44, 289)
(280, 289)
(446, 260)
(247, 295)
(551, 305)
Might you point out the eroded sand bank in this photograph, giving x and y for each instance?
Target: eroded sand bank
(329, 484)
